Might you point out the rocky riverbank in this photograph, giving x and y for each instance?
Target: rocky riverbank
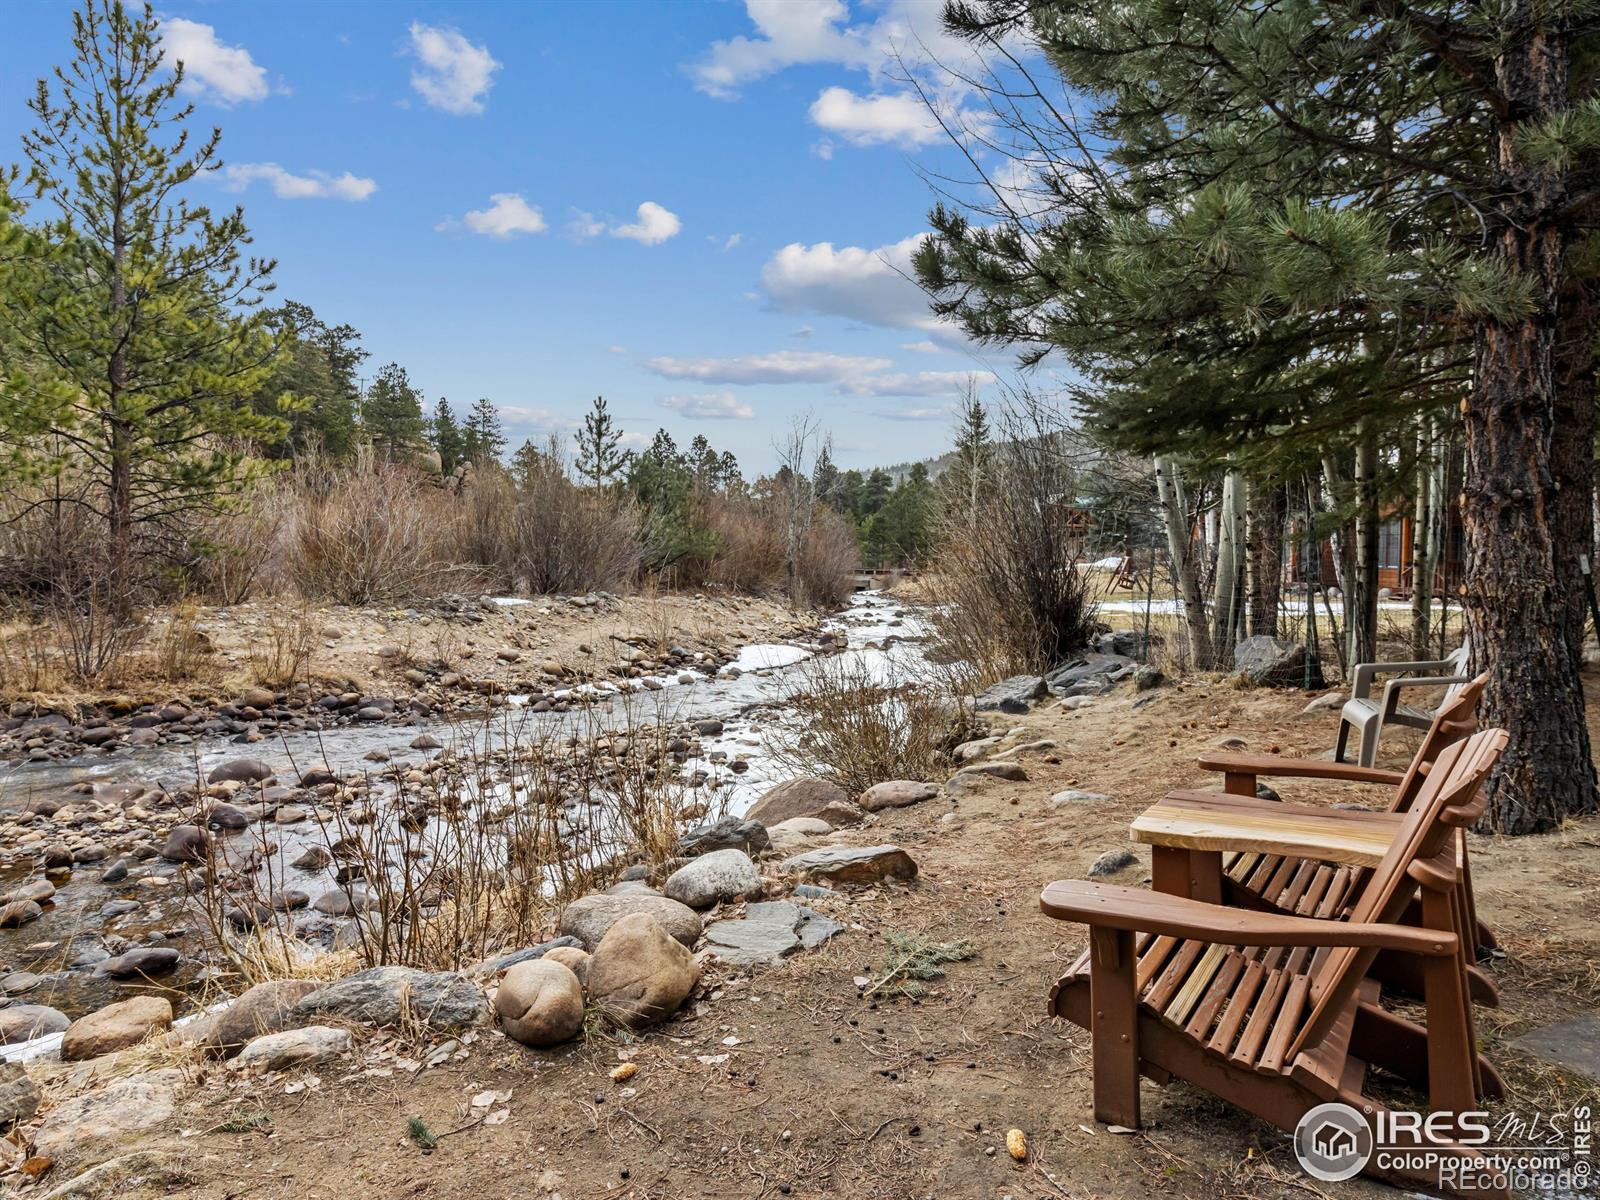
(802, 1057)
(259, 670)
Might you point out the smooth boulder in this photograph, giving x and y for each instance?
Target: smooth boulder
(240, 770)
(540, 1003)
(24, 1022)
(800, 798)
(713, 878)
(265, 1008)
(116, 1027)
(897, 793)
(639, 974)
(1014, 695)
(19, 1095)
(293, 1048)
(399, 996)
(590, 918)
(852, 864)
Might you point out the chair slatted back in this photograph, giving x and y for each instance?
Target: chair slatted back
(1458, 666)
(1447, 800)
(1457, 718)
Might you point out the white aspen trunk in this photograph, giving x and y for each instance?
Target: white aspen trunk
(1230, 560)
(1174, 512)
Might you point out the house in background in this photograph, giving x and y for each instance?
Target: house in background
(1394, 557)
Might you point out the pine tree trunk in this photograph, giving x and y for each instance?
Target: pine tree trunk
(1517, 609)
(1269, 509)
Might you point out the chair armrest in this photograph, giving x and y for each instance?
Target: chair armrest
(1367, 672)
(1109, 906)
(1297, 768)
(1393, 687)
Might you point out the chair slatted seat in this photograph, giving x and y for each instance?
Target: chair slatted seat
(1275, 1012)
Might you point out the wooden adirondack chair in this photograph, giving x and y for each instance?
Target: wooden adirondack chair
(1368, 715)
(1277, 1013)
(1255, 880)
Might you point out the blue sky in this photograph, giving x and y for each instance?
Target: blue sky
(695, 209)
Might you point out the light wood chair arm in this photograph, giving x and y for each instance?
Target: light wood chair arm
(1217, 821)
(1271, 766)
(1108, 906)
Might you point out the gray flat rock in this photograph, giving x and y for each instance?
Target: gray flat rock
(768, 933)
(1574, 1044)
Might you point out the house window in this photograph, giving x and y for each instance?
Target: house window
(1389, 545)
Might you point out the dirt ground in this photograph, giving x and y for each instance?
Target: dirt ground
(786, 1083)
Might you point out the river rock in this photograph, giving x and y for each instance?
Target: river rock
(768, 933)
(293, 1048)
(800, 798)
(1014, 695)
(573, 958)
(38, 891)
(24, 1022)
(714, 877)
(116, 1027)
(186, 844)
(852, 864)
(639, 974)
(84, 1126)
(142, 960)
(976, 748)
(897, 793)
(240, 770)
(493, 966)
(226, 816)
(265, 1008)
(257, 697)
(18, 913)
(1112, 861)
(394, 996)
(540, 1003)
(1268, 662)
(1074, 796)
(314, 859)
(588, 919)
(728, 833)
(19, 1095)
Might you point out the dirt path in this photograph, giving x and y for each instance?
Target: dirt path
(786, 1083)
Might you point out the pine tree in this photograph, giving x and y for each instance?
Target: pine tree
(601, 459)
(445, 436)
(963, 481)
(1274, 228)
(318, 367)
(129, 320)
(391, 413)
(482, 438)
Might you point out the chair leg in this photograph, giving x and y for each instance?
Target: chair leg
(1344, 740)
(1451, 1054)
(1370, 732)
(1115, 1002)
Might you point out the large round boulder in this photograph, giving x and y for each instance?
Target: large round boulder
(540, 1003)
(589, 918)
(240, 770)
(24, 1022)
(639, 974)
(265, 1008)
(714, 877)
(801, 798)
(116, 1027)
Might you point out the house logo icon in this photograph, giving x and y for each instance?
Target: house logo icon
(1333, 1142)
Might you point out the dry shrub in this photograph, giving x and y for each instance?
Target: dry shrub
(237, 555)
(280, 656)
(1009, 595)
(749, 554)
(828, 560)
(544, 534)
(371, 531)
(182, 652)
(858, 721)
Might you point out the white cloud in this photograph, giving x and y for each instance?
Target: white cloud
(782, 366)
(313, 185)
(225, 73)
(536, 421)
(455, 76)
(710, 406)
(508, 215)
(653, 226)
(789, 32)
(726, 243)
(871, 286)
(917, 383)
(823, 150)
(942, 412)
(897, 117)
(585, 225)
(923, 347)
